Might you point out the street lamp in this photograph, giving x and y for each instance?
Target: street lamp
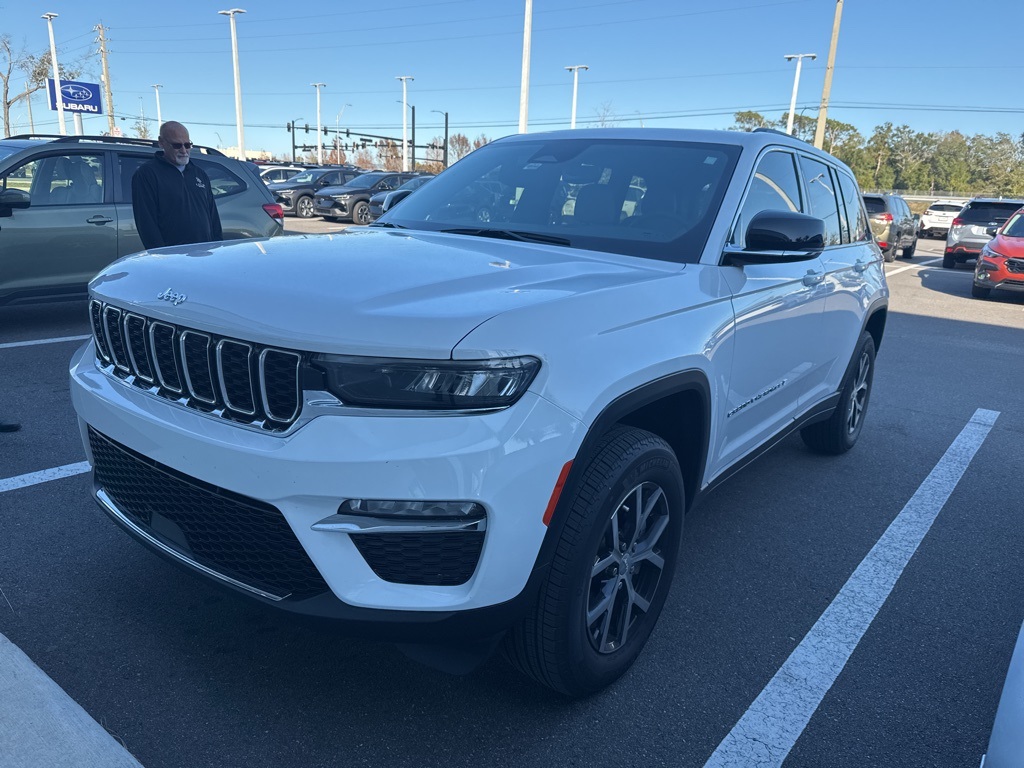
(56, 74)
(294, 158)
(796, 84)
(405, 120)
(238, 81)
(319, 134)
(575, 69)
(445, 155)
(159, 117)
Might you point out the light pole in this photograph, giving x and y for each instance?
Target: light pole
(159, 117)
(56, 74)
(319, 134)
(524, 87)
(796, 84)
(819, 131)
(238, 81)
(405, 121)
(337, 132)
(293, 137)
(444, 160)
(575, 69)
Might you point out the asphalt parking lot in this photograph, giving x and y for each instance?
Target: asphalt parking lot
(886, 582)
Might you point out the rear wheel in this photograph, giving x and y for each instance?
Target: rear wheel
(611, 571)
(908, 253)
(980, 292)
(840, 431)
(948, 261)
(890, 254)
(304, 207)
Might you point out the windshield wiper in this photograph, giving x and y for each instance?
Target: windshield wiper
(507, 234)
(387, 225)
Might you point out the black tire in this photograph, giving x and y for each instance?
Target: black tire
(908, 253)
(948, 261)
(332, 219)
(589, 624)
(980, 292)
(890, 255)
(304, 207)
(840, 431)
(361, 213)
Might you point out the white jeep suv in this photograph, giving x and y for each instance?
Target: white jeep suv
(449, 433)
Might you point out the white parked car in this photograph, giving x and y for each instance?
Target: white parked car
(939, 216)
(436, 429)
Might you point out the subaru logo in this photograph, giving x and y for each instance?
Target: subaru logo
(172, 296)
(76, 92)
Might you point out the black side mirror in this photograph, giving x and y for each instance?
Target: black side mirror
(11, 199)
(785, 231)
(394, 198)
(991, 231)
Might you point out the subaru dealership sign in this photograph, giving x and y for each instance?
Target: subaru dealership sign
(76, 97)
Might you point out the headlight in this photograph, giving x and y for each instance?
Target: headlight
(286, 192)
(342, 198)
(987, 251)
(427, 384)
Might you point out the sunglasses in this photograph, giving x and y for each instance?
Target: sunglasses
(181, 144)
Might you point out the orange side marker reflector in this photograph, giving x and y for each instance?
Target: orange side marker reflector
(559, 484)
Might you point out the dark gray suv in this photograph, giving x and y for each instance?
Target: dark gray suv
(66, 208)
(892, 224)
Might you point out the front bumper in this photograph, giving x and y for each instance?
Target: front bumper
(506, 461)
(1002, 273)
(326, 206)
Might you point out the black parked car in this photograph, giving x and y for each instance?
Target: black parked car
(296, 194)
(351, 199)
(384, 201)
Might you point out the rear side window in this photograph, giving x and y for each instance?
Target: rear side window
(824, 199)
(222, 181)
(981, 213)
(856, 221)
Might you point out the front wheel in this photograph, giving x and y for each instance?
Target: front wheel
(304, 207)
(908, 253)
(840, 431)
(980, 291)
(611, 570)
(361, 213)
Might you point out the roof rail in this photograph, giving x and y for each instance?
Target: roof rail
(107, 140)
(772, 130)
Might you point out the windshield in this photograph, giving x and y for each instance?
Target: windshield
(363, 181)
(1015, 227)
(5, 151)
(305, 177)
(655, 199)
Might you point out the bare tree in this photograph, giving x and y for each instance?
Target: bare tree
(389, 155)
(480, 140)
(435, 156)
(141, 128)
(35, 70)
(606, 116)
(363, 158)
(459, 147)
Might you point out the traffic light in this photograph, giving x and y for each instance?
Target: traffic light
(307, 127)
(288, 127)
(325, 130)
(348, 133)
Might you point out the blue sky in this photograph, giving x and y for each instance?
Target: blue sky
(660, 63)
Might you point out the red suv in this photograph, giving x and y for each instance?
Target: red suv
(1001, 261)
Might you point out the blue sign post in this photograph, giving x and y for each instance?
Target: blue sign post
(78, 98)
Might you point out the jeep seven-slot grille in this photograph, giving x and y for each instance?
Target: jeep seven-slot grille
(242, 538)
(235, 379)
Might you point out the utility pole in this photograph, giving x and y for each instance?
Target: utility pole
(106, 77)
(524, 87)
(159, 117)
(319, 134)
(57, 96)
(796, 84)
(238, 81)
(405, 119)
(412, 161)
(819, 133)
(445, 155)
(28, 102)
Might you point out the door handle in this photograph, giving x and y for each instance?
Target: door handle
(99, 219)
(813, 278)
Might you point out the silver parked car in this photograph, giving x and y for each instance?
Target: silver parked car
(969, 231)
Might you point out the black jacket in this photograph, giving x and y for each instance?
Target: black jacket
(173, 207)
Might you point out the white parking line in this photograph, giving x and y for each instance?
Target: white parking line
(912, 266)
(12, 344)
(768, 730)
(43, 476)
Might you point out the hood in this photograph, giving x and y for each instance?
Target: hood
(1008, 246)
(362, 291)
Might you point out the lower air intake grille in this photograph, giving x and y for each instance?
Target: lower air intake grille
(438, 559)
(245, 539)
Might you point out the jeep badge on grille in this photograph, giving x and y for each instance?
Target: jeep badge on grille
(172, 296)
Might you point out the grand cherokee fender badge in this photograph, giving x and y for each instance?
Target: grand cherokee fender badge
(172, 296)
(755, 398)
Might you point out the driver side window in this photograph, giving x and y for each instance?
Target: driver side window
(774, 187)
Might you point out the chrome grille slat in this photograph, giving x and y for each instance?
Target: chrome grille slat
(221, 377)
(195, 361)
(135, 341)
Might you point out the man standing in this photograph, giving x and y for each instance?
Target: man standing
(171, 197)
